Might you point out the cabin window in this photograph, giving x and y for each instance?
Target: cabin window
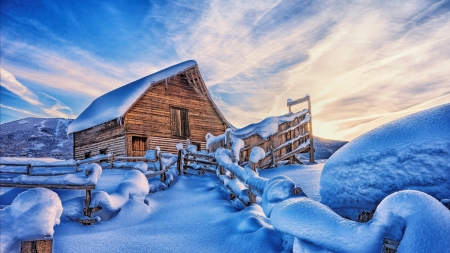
(103, 151)
(180, 122)
(139, 145)
(87, 155)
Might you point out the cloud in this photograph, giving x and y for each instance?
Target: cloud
(58, 109)
(362, 62)
(51, 106)
(20, 111)
(10, 82)
(358, 60)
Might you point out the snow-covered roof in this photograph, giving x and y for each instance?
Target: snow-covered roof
(116, 103)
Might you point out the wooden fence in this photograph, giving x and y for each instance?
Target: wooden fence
(293, 137)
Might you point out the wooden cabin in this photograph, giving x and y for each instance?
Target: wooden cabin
(162, 109)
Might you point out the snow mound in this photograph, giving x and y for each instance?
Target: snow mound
(115, 103)
(401, 216)
(32, 215)
(141, 166)
(410, 153)
(133, 186)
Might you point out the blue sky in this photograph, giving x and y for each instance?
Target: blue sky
(364, 63)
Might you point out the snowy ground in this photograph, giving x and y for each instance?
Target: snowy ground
(193, 215)
(305, 176)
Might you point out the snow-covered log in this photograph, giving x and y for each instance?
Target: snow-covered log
(399, 217)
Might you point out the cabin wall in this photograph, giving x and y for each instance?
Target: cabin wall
(109, 135)
(151, 115)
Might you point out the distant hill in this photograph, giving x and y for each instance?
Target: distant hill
(47, 137)
(324, 148)
(36, 137)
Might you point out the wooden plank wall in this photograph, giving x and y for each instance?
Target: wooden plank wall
(168, 145)
(151, 114)
(107, 135)
(115, 146)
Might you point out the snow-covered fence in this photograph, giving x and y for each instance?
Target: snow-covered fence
(46, 168)
(244, 183)
(280, 137)
(161, 160)
(86, 181)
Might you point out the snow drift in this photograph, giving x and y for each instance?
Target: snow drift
(410, 153)
(32, 215)
(402, 216)
(133, 186)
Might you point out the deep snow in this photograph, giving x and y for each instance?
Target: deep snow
(410, 153)
(191, 216)
(32, 215)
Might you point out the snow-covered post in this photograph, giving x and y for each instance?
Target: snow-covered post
(311, 143)
(272, 154)
(41, 246)
(28, 169)
(256, 155)
(161, 167)
(228, 140)
(28, 223)
(111, 161)
(179, 165)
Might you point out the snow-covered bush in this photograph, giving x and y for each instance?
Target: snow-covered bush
(410, 153)
(32, 215)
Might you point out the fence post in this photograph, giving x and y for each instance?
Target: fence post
(272, 153)
(228, 140)
(161, 167)
(252, 166)
(179, 166)
(40, 246)
(28, 169)
(311, 141)
(87, 202)
(111, 165)
(251, 195)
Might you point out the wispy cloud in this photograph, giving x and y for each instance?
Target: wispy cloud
(58, 109)
(20, 111)
(50, 106)
(362, 62)
(355, 59)
(10, 82)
